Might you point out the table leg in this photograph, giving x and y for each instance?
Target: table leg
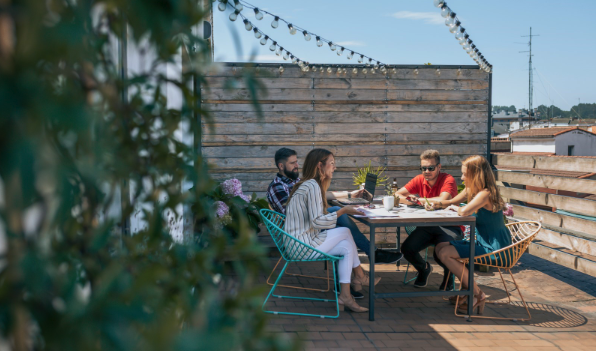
(371, 272)
(471, 272)
(398, 245)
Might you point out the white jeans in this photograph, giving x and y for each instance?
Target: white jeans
(339, 242)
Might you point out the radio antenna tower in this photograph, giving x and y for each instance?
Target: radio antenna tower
(530, 77)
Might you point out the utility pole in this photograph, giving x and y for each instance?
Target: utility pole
(530, 77)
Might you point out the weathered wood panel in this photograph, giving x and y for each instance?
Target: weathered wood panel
(549, 182)
(572, 204)
(554, 163)
(556, 220)
(387, 119)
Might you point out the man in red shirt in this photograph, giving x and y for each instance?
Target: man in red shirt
(433, 185)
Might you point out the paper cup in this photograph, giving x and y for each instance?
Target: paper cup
(388, 202)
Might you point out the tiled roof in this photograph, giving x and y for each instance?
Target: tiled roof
(545, 132)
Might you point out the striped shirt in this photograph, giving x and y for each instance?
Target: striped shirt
(305, 219)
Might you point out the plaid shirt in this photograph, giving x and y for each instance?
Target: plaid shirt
(279, 192)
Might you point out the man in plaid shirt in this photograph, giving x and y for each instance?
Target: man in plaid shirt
(279, 191)
(280, 188)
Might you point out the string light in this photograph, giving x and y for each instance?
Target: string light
(257, 33)
(461, 35)
(259, 14)
(306, 35)
(234, 15)
(264, 40)
(247, 25)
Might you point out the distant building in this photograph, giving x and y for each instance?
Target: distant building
(561, 141)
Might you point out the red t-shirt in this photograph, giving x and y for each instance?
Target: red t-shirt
(445, 184)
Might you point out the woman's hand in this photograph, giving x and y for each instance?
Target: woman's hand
(356, 193)
(350, 210)
(453, 208)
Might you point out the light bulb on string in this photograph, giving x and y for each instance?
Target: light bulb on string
(286, 55)
(451, 20)
(369, 62)
(355, 70)
(439, 3)
(258, 14)
(339, 70)
(272, 47)
(373, 71)
(438, 71)
(464, 39)
(292, 29)
(314, 68)
(394, 70)
(306, 68)
(460, 34)
(321, 69)
(258, 34)
(459, 71)
(306, 36)
(264, 40)
(416, 71)
(467, 45)
(350, 55)
(445, 11)
(222, 5)
(275, 22)
(332, 46)
(234, 15)
(329, 69)
(376, 66)
(279, 51)
(364, 70)
(455, 27)
(247, 25)
(238, 5)
(294, 59)
(340, 51)
(361, 58)
(383, 69)
(345, 70)
(281, 69)
(319, 42)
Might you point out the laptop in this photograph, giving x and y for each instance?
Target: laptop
(369, 192)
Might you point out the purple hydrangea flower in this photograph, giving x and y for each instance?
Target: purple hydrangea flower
(232, 187)
(245, 197)
(508, 210)
(221, 209)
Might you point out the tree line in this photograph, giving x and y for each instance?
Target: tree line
(583, 111)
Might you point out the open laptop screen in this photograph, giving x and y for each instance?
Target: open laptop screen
(369, 187)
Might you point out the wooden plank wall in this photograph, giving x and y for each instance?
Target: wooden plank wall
(386, 119)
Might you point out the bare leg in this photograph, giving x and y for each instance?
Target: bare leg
(359, 272)
(345, 295)
(448, 254)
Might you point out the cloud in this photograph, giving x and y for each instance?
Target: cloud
(427, 17)
(351, 43)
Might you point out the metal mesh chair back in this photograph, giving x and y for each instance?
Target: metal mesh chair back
(522, 234)
(289, 247)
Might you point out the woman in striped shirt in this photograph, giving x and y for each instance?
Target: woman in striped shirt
(308, 221)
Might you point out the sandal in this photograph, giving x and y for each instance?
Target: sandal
(479, 302)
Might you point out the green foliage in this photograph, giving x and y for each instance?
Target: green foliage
(584, 111)
(70, 144)
(360, 177)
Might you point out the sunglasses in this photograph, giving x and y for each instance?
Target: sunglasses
(430, 169)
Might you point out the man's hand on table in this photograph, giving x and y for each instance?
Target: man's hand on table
(410, 200)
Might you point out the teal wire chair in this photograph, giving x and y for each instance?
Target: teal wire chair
(294, 250)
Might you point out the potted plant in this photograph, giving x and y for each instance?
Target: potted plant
(360, 177)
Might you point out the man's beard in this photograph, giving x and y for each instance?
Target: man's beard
(291, 174)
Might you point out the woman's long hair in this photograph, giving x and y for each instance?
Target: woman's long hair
(479, 176)
(311, 170)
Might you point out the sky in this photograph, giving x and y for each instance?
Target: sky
(412, 32)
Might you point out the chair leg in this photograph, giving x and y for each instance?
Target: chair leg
(520, 295)
(275, 285)
(505, 285)
(406, 281)
(298, 275)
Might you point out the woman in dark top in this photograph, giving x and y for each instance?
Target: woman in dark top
(485, 203)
